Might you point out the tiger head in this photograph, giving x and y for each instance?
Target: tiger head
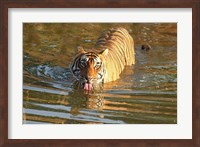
(88, 68)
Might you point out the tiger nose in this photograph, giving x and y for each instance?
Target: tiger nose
(88, 78)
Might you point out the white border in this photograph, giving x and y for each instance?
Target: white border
(182, 130)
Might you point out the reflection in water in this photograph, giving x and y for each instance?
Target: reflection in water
(80, 99)
(146, 93)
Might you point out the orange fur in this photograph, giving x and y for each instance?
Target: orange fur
(121, 52)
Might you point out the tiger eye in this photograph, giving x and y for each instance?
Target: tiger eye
(83, 63)
(98, 65)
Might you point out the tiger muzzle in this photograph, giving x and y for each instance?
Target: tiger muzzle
(88, 84)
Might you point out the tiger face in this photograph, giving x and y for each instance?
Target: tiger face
(88, 68)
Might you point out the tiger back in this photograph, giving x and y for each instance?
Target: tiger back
(121, 52)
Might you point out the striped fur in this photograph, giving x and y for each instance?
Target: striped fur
(114, 50)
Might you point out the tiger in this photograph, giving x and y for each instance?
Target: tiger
(105, 62)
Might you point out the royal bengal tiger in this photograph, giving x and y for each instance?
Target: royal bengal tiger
(104, 63)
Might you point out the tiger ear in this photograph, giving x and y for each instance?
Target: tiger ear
(104, 53)
(80, 49)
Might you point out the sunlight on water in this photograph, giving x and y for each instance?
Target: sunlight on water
(146, 93)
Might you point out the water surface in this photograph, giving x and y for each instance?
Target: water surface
(146, 93)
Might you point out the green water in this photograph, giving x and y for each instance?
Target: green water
(146, 93)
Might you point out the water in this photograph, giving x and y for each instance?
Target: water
(146, 93)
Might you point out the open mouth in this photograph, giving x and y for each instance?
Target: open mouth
(88, 86)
